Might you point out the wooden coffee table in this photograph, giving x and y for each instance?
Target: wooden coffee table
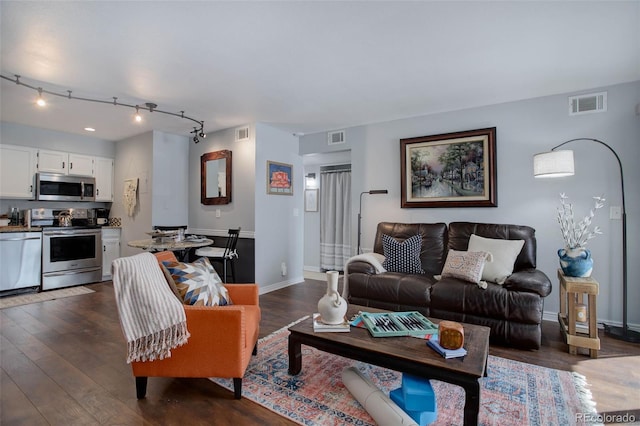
(404, 354)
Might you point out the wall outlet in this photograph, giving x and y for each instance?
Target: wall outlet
(615, 213)
(218, 213)
(283, 266)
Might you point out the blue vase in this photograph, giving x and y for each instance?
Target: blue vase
(576, 262)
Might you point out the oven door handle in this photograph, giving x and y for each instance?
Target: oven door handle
(71, 272)
(72, 233)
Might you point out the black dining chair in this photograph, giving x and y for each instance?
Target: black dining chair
(224, 255)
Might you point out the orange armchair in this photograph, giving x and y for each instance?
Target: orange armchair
(221, 343)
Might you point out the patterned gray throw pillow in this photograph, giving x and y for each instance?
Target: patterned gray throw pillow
(402, 256)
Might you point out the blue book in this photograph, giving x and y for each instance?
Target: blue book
(434, 344)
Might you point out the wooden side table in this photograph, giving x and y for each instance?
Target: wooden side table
(572, 291)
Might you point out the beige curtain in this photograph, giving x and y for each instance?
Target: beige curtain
(335, 219)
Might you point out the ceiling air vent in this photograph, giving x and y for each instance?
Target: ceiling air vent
(242, 134)
(588, 103)
(334, 138)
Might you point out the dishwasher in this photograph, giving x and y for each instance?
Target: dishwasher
(20, 261)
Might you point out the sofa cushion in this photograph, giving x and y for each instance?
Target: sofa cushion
(504, 254)
(402, 256)
(465, 265)
(198, 283)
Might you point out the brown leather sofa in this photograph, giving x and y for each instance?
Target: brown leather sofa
(512, 310)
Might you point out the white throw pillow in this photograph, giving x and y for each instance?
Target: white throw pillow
(505, 253)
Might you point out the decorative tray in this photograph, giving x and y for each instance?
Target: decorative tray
(391, 324)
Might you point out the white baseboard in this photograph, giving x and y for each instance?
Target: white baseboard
(279, 285)
(312, 269)
(553, 316)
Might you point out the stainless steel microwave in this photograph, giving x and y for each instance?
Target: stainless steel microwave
(56, 187)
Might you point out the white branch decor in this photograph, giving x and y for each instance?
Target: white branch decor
(577, 234)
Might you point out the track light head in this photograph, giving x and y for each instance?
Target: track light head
(195, 139)
(40, 101)
(137, 117)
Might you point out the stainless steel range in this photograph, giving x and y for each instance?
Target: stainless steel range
(71, 249)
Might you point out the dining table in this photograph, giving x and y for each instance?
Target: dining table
(161, 244)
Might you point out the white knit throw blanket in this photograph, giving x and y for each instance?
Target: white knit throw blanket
(152, 318)
(374, 259)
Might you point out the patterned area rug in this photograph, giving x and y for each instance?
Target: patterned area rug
(25, 299)
(514, 393)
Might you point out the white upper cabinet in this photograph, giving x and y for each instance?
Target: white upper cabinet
(104, 179)
(80, 165)
(65, 163)
(17, 167)
(53, 161)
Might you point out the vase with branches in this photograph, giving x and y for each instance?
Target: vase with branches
(575, 258)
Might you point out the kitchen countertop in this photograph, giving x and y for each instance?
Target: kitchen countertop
(20, 229)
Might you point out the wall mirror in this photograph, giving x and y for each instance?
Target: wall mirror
(215, 177)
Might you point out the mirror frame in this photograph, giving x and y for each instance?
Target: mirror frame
(215, 155)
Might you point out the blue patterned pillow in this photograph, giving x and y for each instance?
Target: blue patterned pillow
(198, 283)
(402, 256)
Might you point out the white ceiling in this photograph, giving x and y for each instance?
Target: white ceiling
(302, 66)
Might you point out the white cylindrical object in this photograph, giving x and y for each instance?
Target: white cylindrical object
(553, 164)
(382, 409)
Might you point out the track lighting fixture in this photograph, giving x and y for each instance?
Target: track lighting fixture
(149, 106)
(198, 133)
(40, 101)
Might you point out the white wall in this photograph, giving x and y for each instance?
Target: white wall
(279, 218)
(170, 203)
(241, 210)
(134, 159)
(523, 129)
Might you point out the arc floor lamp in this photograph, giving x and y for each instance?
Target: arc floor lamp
(560, 163)
(372, 192)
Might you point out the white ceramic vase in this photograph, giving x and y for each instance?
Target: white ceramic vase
(332, 307)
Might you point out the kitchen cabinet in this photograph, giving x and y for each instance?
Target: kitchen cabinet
(80, 165)
(110, 250)
(65, 163)
(103, 168)
(17, 167)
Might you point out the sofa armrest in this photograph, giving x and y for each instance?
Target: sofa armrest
(529, 280)
(361, 268)
(243, 294)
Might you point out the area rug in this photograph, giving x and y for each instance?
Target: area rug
(514, 393)
(25, 299)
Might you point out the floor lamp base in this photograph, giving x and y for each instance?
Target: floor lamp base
(621, 334)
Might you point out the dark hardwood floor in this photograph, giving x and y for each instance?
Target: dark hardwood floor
(63, 363)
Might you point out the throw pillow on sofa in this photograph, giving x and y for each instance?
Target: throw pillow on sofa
(465, 265)
(505, 253)
(198, 283)
(402, 256)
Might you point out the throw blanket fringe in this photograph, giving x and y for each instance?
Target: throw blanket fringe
(153, 320)
(374, 259)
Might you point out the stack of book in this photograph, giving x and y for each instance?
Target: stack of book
(320, 327)
(446, 353)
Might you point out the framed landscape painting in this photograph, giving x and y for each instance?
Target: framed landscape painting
(279, 178)
(449, 170)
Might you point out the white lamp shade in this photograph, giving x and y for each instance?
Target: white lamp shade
(553, 164)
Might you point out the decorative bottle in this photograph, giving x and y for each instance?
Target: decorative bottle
(332, 307)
